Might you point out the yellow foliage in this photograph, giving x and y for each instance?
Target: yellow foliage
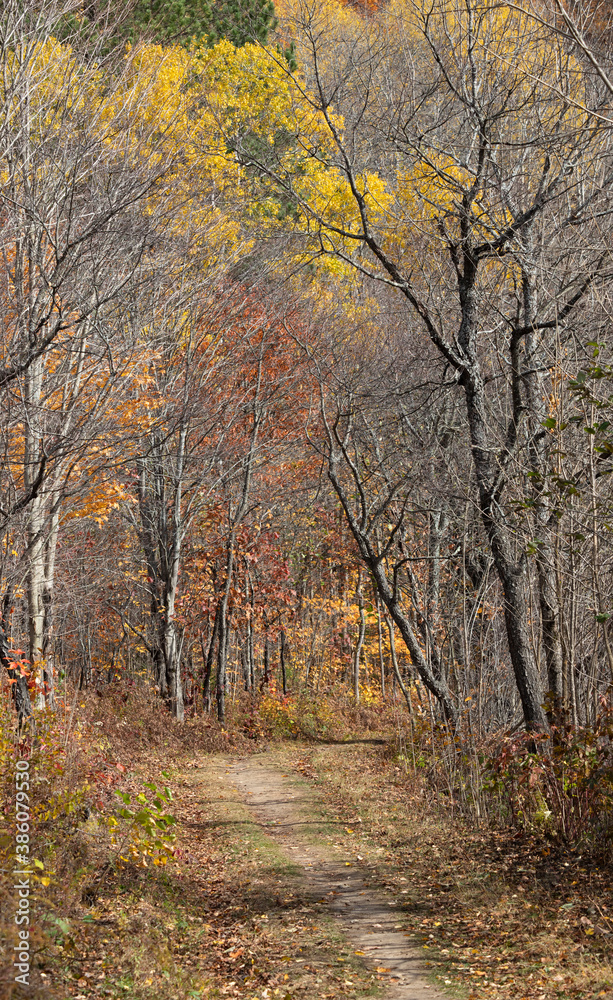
(450, 78)
(193, 119)
(501, 69)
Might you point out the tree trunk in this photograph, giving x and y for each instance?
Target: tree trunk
(19, 683)
(235, 521)
(389, 594)
(266, 677)
(210, 657)
(550, 627)
(172, 667)
(49, 652)
(148, 530)
(513, 573)
(162, 532)
(437, 524)
(35, 591)
(536, 403)
(220, 682)
(41, 568)
(360, 640)
(222, 654)
(380, 638)
(169, 644)
(515, 585)
(397, 674)
(282, 662)
(244, 662)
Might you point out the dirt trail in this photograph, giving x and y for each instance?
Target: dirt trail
(367, 916)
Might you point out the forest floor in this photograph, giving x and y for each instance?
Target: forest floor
(319, 871)
(306, 870)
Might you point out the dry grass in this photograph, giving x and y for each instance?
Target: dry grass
(500, 915)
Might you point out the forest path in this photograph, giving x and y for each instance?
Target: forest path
(287, 812)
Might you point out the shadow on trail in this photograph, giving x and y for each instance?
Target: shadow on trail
(229, 823)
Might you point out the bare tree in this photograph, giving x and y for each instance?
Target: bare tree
(75, 176)
(495, 153)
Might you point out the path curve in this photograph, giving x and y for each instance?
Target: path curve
(367, 916)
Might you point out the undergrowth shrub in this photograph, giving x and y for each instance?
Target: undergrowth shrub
(276, 716)
(559, 786)
(562, 786)
(88, 819)
(59, 791)
(148, 827)
(316, 717)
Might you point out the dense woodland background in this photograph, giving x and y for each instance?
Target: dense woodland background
(306, 374)
(306, 433)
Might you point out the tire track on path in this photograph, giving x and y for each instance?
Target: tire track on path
(366, 915)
